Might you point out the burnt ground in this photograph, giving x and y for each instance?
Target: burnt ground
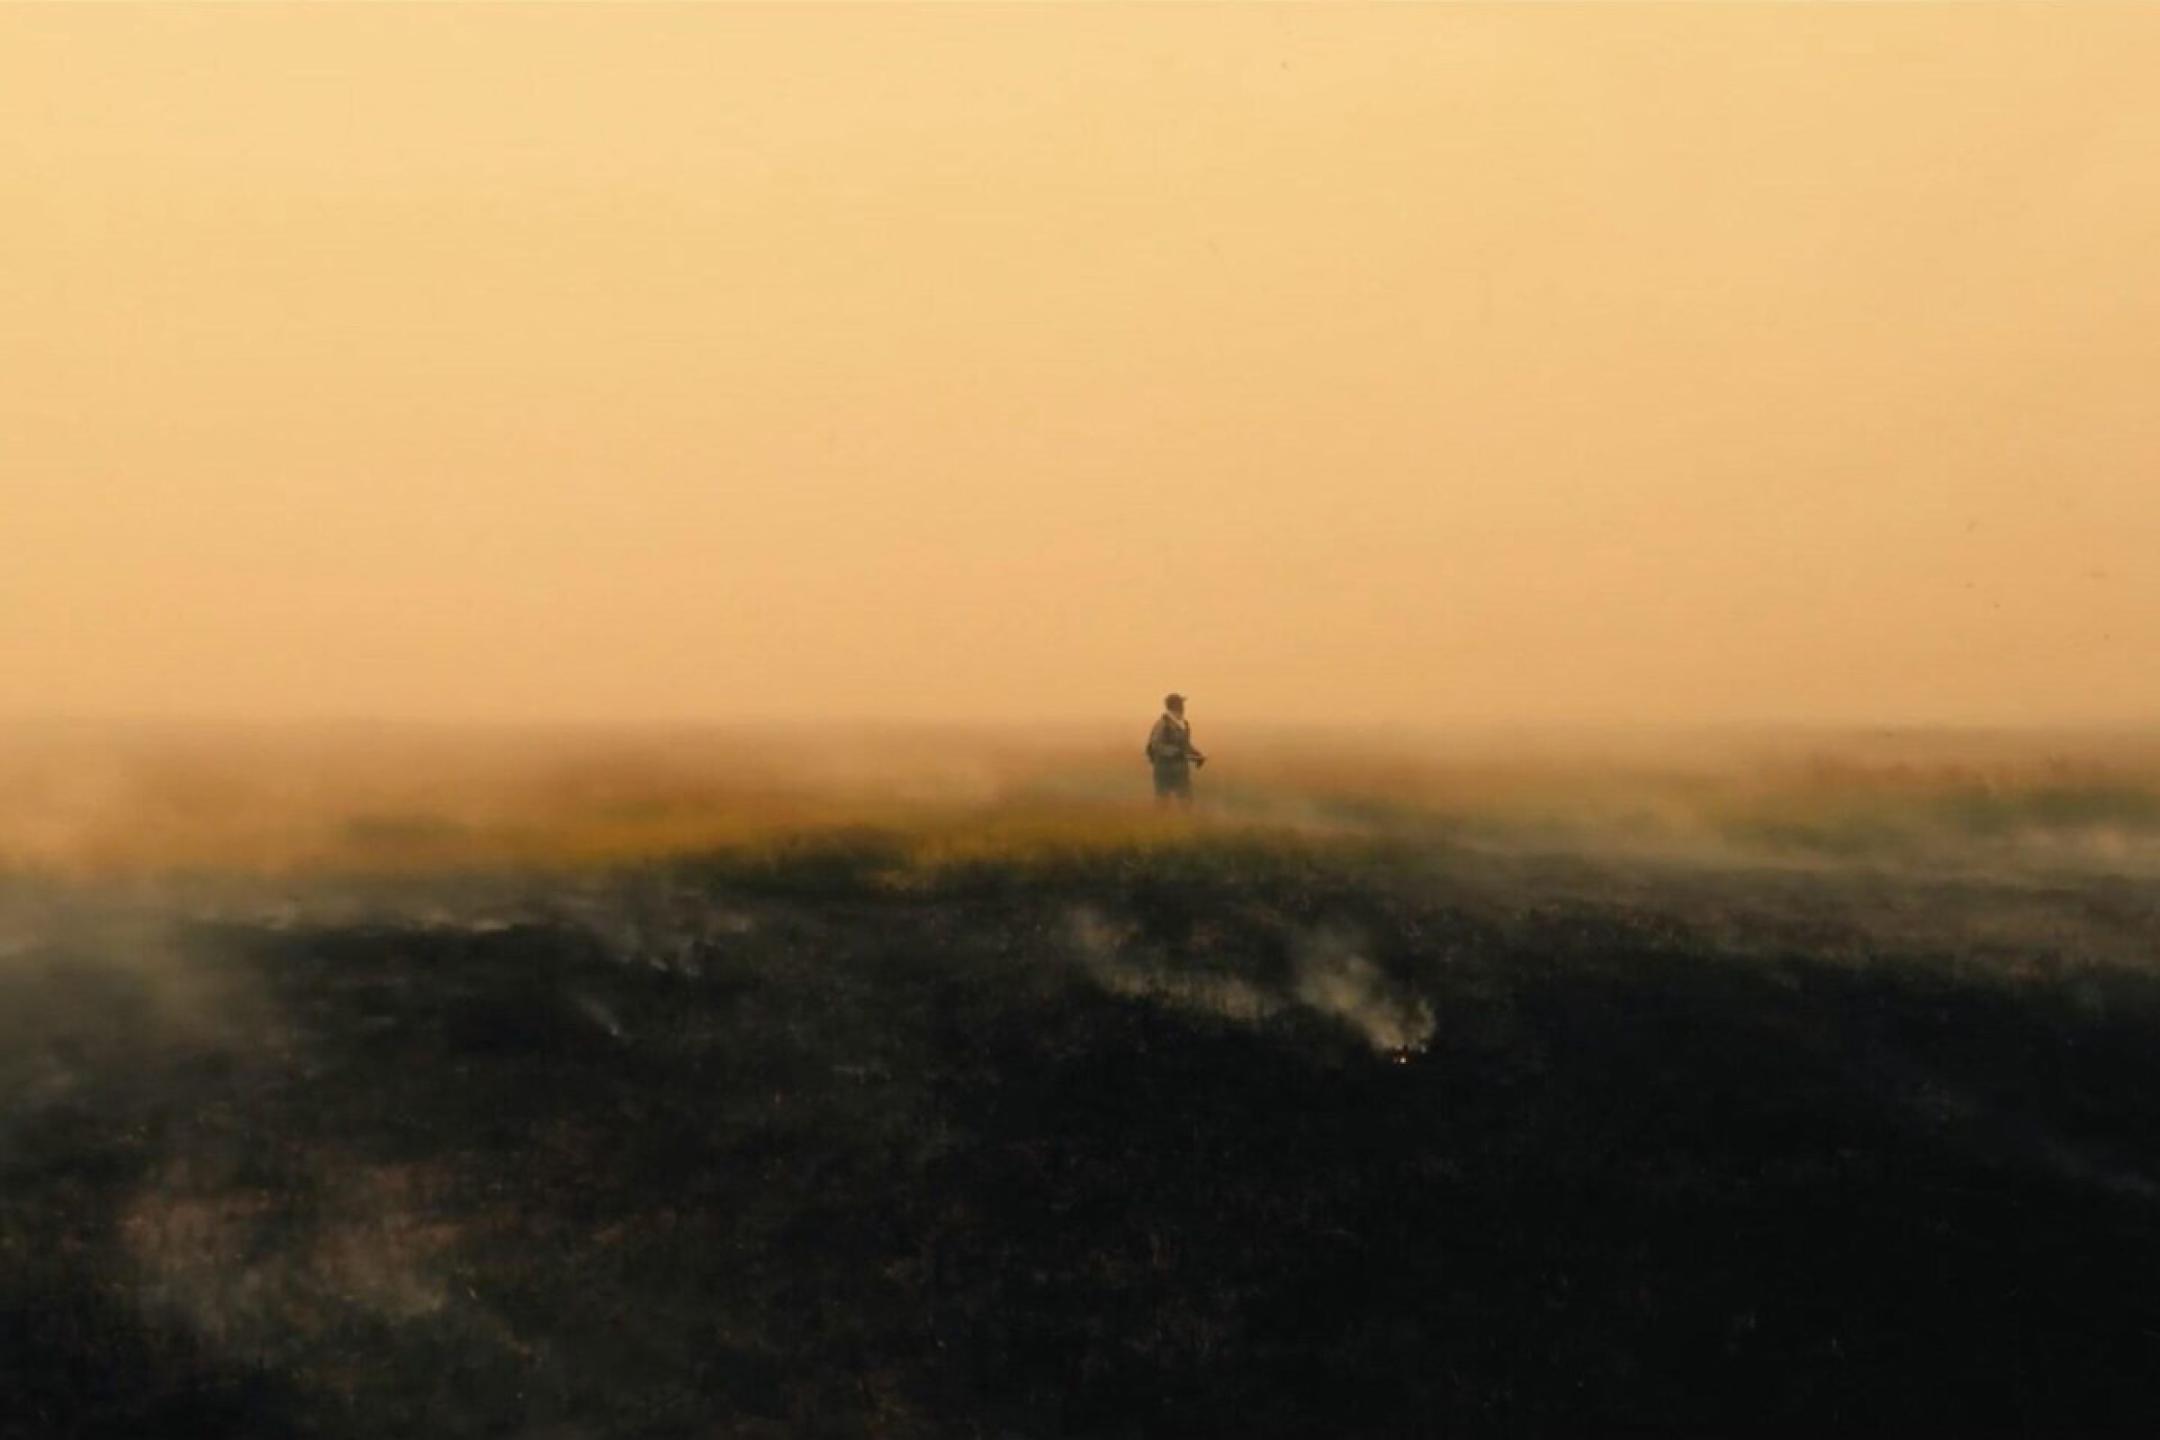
(803, 1144)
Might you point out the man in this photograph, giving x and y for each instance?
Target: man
(1170, 750)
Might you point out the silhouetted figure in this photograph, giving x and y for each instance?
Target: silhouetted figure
(1170, 750)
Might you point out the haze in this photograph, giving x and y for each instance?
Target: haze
(1558, 363)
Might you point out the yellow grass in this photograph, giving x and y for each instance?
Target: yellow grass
(274, 801)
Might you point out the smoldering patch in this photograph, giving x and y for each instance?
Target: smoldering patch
(681, 936)
(253, 1270)
(1331, 976)
(1336, 978)
(1222, 996)
(1110, 954)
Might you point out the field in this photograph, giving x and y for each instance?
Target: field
(682, 1085)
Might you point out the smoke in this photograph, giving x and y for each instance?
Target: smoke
(258, 1271)
(103, 802)
(1338, 981)
(114, 1001)
(1109, 957)
(1330, 976)
(110, 988)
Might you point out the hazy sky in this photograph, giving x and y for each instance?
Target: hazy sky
(1558, 362)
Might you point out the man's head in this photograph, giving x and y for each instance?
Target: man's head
(1174, 703)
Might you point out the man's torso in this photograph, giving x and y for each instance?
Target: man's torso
(1171, 742)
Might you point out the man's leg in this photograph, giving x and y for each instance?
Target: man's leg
(1172, 782)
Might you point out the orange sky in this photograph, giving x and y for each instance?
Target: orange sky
(1415, 364)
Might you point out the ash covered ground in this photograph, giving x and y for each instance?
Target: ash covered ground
(1353, 1112)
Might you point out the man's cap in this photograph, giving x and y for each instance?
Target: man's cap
(1173, 699)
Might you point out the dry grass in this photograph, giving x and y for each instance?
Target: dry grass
(105, 802)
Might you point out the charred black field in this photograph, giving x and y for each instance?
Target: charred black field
(1377, 1127)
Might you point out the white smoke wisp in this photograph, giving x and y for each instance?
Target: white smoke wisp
(1334, 978)
(1107, 955)
(1195, 993)
(1331, 977)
